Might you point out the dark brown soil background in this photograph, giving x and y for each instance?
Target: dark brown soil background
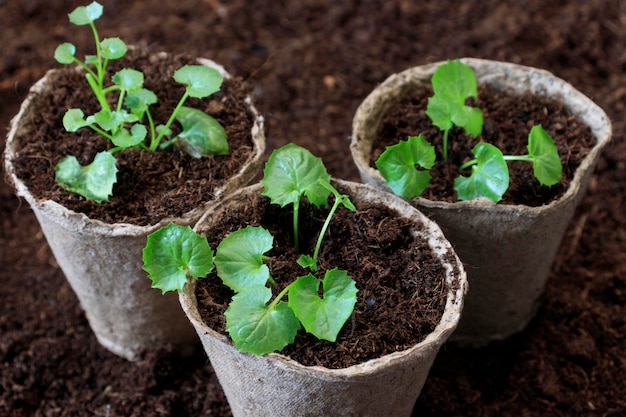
(312, 62)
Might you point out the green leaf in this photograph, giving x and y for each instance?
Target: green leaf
(307, 261)
(201, 81)
(109, 120)
(202, 135)
(323, 317)
(453, 82)
(489, 178)
(124, 139)
(74, 119)
(65, 53)
(397, 165)
(94, 181)
(129, 79)
(113, 48)
(139, 100)
(171, 253)
(547, 165)
(239, 258)
(292, 171)
(257, 328)
(84, 15)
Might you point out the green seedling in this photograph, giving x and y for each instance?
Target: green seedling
(256, 321)
(405, 166)
(123, 122)
(453, 83)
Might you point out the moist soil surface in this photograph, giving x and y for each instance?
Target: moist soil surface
(310, 64)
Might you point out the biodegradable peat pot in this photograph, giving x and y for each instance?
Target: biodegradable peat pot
(277, 385)
(507, 249)
(102, 261)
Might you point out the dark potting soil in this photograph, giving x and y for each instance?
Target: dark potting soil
(150, 185)
(312, 62)
(507, 121)
(402, 284)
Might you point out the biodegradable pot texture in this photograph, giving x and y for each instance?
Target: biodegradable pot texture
(507, 249)
(103, 263)
(275, 385)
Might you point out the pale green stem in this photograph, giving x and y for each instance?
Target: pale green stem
(155, 142)
(445, 143)
(325, 226)
(296, 211)
(279, 297)
(519, 158)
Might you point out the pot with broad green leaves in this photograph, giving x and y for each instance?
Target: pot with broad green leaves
(313, 296)
(107, 151)
(499, 155)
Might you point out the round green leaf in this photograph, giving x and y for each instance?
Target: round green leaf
(239, 258)
(292, 171)
(129, 79)
(455, 80)
(397, 165)
(74, 119)
(490, 175)
(257, 328)
(174, 251)
(113, 48)
(84, 15)
(547, 165)
(64, 54)
(201, 81)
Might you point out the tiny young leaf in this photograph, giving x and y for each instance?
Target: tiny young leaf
(124, 139)
(257, 328)
(173, 252)
(307, 261)
(489, 178)
(397, 165)
(292, 171)
(202, 135)
(239, 258)
(323, 317)
(139, 100)
(94, 181)
(201, 81)
(64, 53)
(84, 15)
(547, 165)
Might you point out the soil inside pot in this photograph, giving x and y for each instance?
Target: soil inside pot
(150, 185)
(402, 287)
(508, 119)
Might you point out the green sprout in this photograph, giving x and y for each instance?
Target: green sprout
(256, 322)
(122, 123)
(405, 166)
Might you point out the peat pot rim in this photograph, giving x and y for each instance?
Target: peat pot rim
(517, 78)
(81, 222)
(449, 319)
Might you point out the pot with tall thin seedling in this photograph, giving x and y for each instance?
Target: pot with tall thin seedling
(110, 148)
(499, 155)
(323, 297)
